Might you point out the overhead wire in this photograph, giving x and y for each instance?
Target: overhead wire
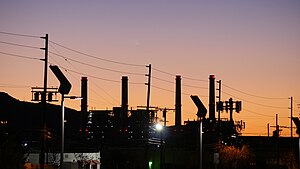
(116, 62)
(194, 86)
(160, 88)
(94, 92)
(262, 97)
(154, 77)
(171, 74)
(276, 107)
(89, 88)
(161, 71)
(95, 57)
(167, 81)
(170, 82)
(194, 79)
(20, 45)
(253, 112)
(17, 34)
(19, 56)
(96, 77)
(95, 84)
(13, 86)
(94, 66)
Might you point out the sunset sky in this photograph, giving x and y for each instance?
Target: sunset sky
(253, 46)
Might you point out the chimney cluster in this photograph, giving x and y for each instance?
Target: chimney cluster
(124, 101)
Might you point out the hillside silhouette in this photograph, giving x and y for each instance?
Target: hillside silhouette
(26, 118)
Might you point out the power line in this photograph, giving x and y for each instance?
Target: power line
(13, 86)
(20, 45)
(257, 113)
(91, 82)
(95, 57)
(162, 89)
(161, 71)
(171, 74)
(16, 34)
(20, 56)
(262, 97)
(93, 90)
(167, 81)
(94, 66)
(276, 107)
(171, 91)
(189, 78)
(104, 97)
(162, 80)
(95, 77)
(194, 86)
(109, 80)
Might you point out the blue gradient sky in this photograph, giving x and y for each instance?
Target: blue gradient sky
(252, 46)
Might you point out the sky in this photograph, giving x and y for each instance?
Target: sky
(252, 46)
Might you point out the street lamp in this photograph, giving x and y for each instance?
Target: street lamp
(159, 128)
(64, 88)
(63, 126)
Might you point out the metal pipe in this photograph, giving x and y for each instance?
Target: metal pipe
(62, 131)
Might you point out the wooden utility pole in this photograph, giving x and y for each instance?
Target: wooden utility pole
(148, 112)
(291, 164)
(291, 117)
(219, 111)
(44, 103)
(149, 85)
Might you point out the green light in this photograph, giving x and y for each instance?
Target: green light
(150, 164)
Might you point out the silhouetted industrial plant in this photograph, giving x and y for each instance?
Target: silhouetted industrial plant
(128, 138)
(53, 136)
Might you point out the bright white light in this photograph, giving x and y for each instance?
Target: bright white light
(158, 126)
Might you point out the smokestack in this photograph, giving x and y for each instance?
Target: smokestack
(124, 96)
(212, 98)
(178, 101)
(84, 105)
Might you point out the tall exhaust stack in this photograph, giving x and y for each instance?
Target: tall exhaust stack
(178, 101)
(124, 96)
(84, 106)
(212, 98)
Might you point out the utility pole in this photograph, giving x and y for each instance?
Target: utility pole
(44, 103)
(219, 111)
(276, 125)
(231, 110)
(149, 84)
(277, 139)
(148, 112)
(291, 132)
(268, 128)
(291, 117)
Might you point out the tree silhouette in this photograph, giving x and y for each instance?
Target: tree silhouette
(234, 157)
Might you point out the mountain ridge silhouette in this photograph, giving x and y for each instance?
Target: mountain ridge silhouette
(23, 116)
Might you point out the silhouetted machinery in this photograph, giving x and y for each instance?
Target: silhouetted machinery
(202, 111)
(297, 123)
